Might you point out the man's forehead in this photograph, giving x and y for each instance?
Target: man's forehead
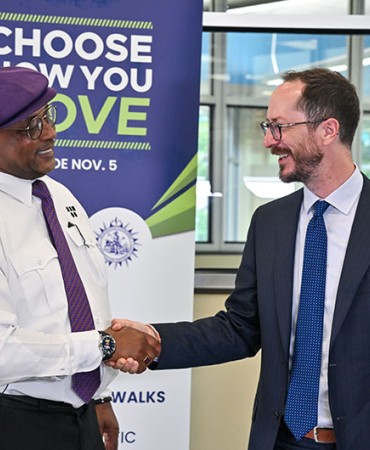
(284, 99)
(290, 91)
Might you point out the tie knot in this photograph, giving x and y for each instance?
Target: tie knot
(320, 207)
(40, 190)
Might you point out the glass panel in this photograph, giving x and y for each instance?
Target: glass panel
(365, 143)
(203, 179)
(255, 61)
(252, 172)
(366, 74)
(205, 77)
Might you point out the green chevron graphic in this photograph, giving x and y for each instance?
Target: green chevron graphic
(87, 21)
(115, 145)
(188, 175)
(179, 215)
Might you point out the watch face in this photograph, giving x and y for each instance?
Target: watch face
(108, 346)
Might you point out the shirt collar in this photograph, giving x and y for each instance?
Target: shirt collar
(18, 188)
(343, 198)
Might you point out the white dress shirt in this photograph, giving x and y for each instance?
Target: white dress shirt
(38, 351)
(338, 220)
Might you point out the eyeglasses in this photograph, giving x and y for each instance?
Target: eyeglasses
(36, 124)
(276, 127)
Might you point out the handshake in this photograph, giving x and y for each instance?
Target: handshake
(137, 346)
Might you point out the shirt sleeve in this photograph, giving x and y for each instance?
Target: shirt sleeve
(36, 342)
(26, 353)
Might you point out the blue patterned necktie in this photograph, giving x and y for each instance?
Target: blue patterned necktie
(303, 391)
(84, 384)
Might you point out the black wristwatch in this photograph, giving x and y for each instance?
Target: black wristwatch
(107, 345)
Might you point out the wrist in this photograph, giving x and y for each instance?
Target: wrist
(101, 400)
(153, 332)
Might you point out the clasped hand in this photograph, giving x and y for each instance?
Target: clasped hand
(136, 346)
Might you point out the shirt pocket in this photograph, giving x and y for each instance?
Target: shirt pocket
(83, 238)
(38, 272)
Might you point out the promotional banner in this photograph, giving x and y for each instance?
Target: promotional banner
(127, 76)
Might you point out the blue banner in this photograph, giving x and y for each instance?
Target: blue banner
(127, 74)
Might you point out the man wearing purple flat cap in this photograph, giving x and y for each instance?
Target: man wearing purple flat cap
(53, 291)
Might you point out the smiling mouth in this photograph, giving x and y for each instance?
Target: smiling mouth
(45, 152)
(285, 155)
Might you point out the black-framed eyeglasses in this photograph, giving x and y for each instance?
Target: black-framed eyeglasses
(276, 127)
(36, 124)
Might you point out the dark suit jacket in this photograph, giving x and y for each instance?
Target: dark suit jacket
(258, 316)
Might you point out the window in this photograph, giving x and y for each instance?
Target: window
(240, 69)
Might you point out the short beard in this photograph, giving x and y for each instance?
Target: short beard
(307, 159)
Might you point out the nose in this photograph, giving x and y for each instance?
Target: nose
(269, 140)
(48, 131)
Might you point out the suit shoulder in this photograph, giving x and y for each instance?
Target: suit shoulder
(280, 204)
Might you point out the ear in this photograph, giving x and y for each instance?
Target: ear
(329, 130)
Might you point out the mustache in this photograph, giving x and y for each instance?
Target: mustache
(279, 151)
(50, 143)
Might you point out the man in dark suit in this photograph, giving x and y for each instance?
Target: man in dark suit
(311, 121)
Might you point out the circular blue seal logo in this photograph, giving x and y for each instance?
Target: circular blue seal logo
(117, 242)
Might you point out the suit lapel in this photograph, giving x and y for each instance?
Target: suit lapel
(356, 261)
(286, 231)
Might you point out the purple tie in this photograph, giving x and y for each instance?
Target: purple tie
(84, 384)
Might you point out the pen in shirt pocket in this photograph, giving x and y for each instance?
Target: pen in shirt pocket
(70, 225)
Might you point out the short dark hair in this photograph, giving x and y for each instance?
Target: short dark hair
(328, 94)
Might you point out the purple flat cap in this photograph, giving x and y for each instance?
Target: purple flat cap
(22, 92)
